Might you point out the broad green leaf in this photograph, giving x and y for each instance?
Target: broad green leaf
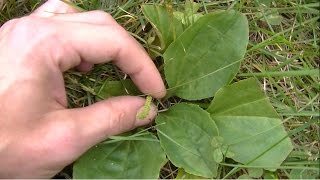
(167, 27)
(185, 133)
(117, 88)
(182, 174)
(123, 159)
(207, 55)
(249, 125)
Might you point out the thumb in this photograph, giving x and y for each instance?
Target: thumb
(62, 136)
(91, 125)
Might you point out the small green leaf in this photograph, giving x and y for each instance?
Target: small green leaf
(217, 141)
(193, 18)
(185, 133)
(229, 154)
(191, 7)
(249, 125)
(255, 172)
(182, 174)
(179, 15)
(207, 55)
(244, 176)
(146, 109)
(270, 16)
(274, 19)
(137, 159)
(167, 27)
(226, 151)
(117, 88)
(270, 175)
(217, 155)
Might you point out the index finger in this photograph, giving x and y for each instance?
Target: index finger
(103, 43)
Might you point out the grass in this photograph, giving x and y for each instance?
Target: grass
(283, 54)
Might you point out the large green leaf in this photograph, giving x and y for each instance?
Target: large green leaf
(124, 159)
(167, 27)
(207, 55)
(251, 128)
(186, 132)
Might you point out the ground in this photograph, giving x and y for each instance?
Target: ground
(283, 54)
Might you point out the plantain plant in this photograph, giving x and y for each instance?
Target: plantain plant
(202, 55)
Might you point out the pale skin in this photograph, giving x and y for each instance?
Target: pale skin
(39, 135)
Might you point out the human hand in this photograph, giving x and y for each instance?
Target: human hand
(39, 136)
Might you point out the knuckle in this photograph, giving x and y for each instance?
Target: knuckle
(30, 33)
(10, 23)
(100, 13)
(103, 17)
(119, 43)
(122, 40)
(33, 27)
(116, 116)
(6, 27)
(24, 24)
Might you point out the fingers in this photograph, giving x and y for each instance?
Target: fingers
(100, 44)
(92, 17)
(58, 10)
(53, 7)
(90, 125)
(97, 38)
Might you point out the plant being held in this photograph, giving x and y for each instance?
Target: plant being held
(146, 109)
